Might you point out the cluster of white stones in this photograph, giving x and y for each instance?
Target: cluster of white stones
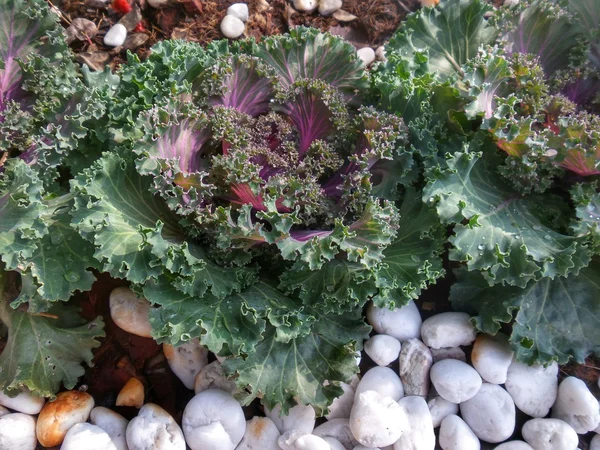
(421, 382)
(233, 24)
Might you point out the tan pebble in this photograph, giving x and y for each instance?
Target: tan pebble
(186, 360)
(56, 418)
(129, 312)
(132, 394)
(425, 3)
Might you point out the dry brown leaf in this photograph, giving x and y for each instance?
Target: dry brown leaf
(81, 29)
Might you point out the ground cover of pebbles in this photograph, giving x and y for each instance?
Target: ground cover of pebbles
(420, 395)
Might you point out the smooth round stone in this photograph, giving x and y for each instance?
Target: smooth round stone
(382, 349)
(213, 420)
(380, 53)
(232, 27)
(157, 3)
(129, 312)
(533, 388)
(377, 420)
(382, 380)
(328, 7)
(298, 440)
(455, 380)
(367, 55)
(154, 429)
(114, 424)
(550, 434)
(212, 376)
(362, 447)
(515, 445)
(595, 444)
(87, 436)
(299, 418)
(402, 323)
(186, 360)
(576, 405)
(440, 354)
(305, 5)
(56, 418)
(23, 402)
(116, 35)
(415, 365)
(261, 434)
(440, 408)
(450, 329)
(491, 357)
(490, 414)
(239, 11)
(4, 411)
(418, 434)
(132, 394)
(341, 406)
(338, 429)
(455, 434)
(334, 444)
(17, 432)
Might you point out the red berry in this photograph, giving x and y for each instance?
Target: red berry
(139, 28)
(121, 6)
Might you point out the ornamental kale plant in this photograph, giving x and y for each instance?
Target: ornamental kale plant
(501, 107)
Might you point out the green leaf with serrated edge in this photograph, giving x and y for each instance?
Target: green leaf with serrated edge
(294, 372)
(501, 236)
(43, 353)
(412, 261)
(449, 34)
(115, 210)
(20, 211)
(59, 264)
(553, 319)
(336, 287)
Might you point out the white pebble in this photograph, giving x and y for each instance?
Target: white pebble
(455, 434)
(439, 354)
(114, 424)
(239, 11)
(450, 329)
(213, 420)
(157, 3)
(533, 388)
(17, 432)
(129, 312)
(415, 365)
(232, 27)
(490, 414)
(576, 405)
(299, 418)
(595, 444)
(342, 405)
(4, 411)
(154, 429)
(261, 434)
(515, 445)
(382, 349)
(402, 323)
(88, 436)
(186, 360)
(491, 357)
(511, 3)
(362, 447)
(418, 434)
(382, 380)
(377, 420)
(380, 53)
(334, 444)
(338, 429)
(550, 434)
(441, 408)
(455, 380)
(298, 440)
(328, 7)
(212, 376)
(115, 37)
(306, 5)
(367, 54)
(23, 402)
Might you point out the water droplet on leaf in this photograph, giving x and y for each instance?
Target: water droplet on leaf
(72, 276)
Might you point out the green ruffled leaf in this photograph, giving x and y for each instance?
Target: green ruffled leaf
(501, 234)
(294, 372)
(553, 319)
(43, 353)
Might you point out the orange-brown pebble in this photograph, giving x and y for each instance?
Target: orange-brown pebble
(57, 417)
(132, 394)
(425, 3)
